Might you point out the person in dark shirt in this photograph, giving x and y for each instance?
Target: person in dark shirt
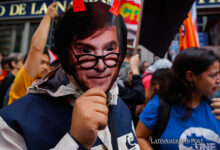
(132, 90)
(15, 64)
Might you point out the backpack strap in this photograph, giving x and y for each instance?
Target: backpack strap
(209, 101)
(112, 129)
(162, 119)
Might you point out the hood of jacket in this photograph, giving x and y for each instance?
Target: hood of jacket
(57, 84)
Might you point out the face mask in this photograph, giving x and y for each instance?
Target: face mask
(87, 21)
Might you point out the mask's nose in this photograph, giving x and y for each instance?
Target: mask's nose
(100, 65)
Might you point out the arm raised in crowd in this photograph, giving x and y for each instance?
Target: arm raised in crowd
(134, 63)
(38, 41)
(137, 91)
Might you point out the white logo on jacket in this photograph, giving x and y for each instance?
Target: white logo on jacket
(126, 142)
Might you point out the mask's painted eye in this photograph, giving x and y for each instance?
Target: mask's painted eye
(110, 49)
(85, 50)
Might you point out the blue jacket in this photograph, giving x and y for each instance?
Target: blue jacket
(43, 120)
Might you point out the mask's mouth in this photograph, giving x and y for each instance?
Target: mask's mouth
(99, 76)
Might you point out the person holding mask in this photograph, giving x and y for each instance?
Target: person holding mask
(192, 124)
(76, 106)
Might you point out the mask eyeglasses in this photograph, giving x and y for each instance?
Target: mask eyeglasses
(89, 61)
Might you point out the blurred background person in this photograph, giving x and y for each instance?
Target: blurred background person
(143, 67)
(158, 77)
(125, 66)
(132, 90)
(5, 68)
(37, 62)
(158, 64)
(15, 64)
(1, 57)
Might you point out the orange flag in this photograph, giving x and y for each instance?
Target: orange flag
(188, 34)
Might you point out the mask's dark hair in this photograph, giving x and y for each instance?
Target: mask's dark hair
(72, 26)
(177, 88)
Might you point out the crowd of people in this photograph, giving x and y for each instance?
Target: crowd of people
(23, 70)
(98, 97)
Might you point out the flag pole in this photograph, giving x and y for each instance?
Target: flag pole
(139, 27)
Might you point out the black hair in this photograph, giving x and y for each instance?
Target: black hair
(9, 61)
(177, 89)
(158, 77)
(46, 51)
(142, 67)
(3, 62)
(25, 57)
(72, 26)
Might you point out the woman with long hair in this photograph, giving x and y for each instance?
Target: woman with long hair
(191, 123)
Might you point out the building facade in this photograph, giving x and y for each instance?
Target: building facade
(208, 18)
(19, 20)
